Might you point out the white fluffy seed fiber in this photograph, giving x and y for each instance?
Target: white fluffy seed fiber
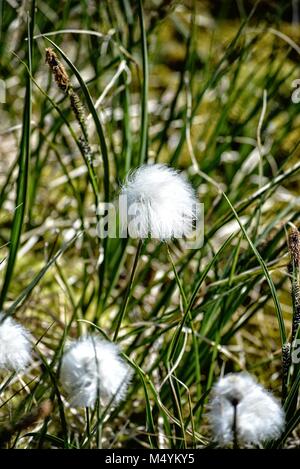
(15, 345)
(260, 418)
(160, 203)
(93, 365)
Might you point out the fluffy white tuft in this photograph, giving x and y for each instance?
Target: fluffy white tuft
(157, 202)
(90, 365)
(260, 418)
(15, 345)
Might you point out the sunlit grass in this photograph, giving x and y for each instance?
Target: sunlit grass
(181, 86)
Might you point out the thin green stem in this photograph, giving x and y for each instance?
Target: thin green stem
(145, 85)
(128, 290)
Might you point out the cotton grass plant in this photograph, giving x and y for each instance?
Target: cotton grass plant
(92, 369)
(15, 345)
(158, 203)
(243, 413)
(168, 103)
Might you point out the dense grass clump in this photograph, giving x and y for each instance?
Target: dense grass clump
(89, 92)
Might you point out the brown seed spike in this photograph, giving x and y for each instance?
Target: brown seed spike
(286, 358)
(294, 271)
(58, 70)
(294, 246)
(78, 110)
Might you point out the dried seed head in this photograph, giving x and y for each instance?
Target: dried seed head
(286, 358)
(86, 148)
(63, 82)
(296, 307)
(294, 271)
(294, 247)
(78, 110)
(58, 70)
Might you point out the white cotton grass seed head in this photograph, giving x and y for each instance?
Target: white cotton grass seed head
(157, 201)
(93, 366)
(260, 417)
(15, 345)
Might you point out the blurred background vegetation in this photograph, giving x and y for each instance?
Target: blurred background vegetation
(209, 71)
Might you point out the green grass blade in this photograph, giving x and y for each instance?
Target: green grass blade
(145, 85)
(23, 166)
(267, 275)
